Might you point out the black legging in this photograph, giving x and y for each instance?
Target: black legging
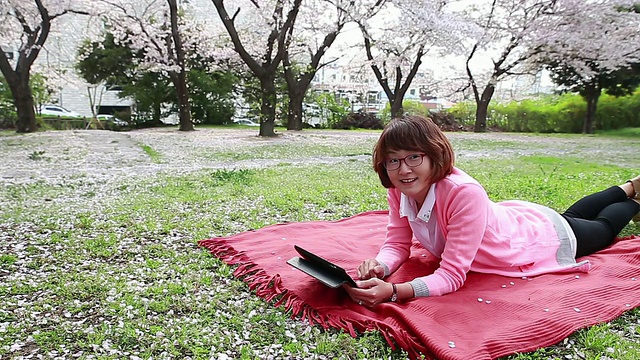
(597, 219)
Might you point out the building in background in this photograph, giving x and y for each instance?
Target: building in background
(360, 87)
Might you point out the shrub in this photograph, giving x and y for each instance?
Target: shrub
(554, 113)
(447, 122)
(8, 118)
(410, 107)
(335, 109)
(413, 107)
(359, 120)
(464, 112)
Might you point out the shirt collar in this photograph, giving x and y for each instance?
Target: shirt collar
(408, 206)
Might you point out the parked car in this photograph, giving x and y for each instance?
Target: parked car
(246, 122)
(55, 110)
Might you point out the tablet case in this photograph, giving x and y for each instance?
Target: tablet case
(326, 272)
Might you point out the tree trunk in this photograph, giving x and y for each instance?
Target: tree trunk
(157, 112)
(482, 108)
(268, 106)
(23, 98)
(396, 106)
(183, 102)
(180, 79)
(295, 110)
(591, 96)
(264, 71)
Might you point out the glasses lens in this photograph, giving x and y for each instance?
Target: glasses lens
(392, 164)
(413, 160)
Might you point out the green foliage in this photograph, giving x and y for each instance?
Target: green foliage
(7, 260)
(8, 115)
(150, 93)
(332, 108)
(555, 113)
(40, 90)
(37, 155)
(630, 133)
(410, 107)
(414, 107)
(618, 112)
(153, 154)
(105, 61)
(464, 112)
(211, 96)
(619, 83)
(210, 92)
(114, 64)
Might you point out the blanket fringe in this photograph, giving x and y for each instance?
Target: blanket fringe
(270, 289)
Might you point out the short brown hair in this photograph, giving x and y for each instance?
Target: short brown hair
(412, 132)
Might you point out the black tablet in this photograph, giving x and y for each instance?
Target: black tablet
(325, 271)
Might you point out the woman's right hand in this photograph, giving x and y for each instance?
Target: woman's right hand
(370, 268)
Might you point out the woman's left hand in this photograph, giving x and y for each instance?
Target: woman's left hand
(370, 292)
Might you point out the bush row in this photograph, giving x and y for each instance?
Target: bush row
(554, 114)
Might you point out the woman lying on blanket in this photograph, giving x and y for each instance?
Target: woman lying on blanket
(450, 214)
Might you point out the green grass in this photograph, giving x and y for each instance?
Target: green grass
(4, 132)
(633, 133)
(120, 275)
(279, 151)
(153, 154)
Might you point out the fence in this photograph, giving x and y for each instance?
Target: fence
(83, 123)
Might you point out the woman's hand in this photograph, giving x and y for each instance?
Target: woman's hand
(370, 292)
(370, 268)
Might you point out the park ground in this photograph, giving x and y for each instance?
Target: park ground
(99, 231)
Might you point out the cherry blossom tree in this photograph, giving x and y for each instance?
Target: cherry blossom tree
(319, 24)
(260, 31)
(154, 28)
(595, 46)
(505, 40)
(517, 34)
(397, 38)
(25, 25)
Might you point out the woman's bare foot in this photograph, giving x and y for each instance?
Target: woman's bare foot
(635, 195)
(632, 188)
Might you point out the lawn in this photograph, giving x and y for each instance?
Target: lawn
(99, 263)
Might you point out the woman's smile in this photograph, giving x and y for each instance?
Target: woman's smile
(412, 180)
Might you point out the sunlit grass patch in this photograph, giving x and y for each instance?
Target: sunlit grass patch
(556, 182)
(293, 150)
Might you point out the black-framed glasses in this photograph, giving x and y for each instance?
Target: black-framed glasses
(412, 160)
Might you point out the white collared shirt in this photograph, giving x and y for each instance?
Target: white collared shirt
(424, 223)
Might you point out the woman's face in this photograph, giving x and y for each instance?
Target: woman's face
(413, 181)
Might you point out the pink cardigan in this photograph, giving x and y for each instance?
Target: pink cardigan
(508, 238)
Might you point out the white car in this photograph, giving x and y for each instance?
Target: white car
(55, 110)
(246, 122)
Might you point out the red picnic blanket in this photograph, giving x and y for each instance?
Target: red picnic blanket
(489, 317)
